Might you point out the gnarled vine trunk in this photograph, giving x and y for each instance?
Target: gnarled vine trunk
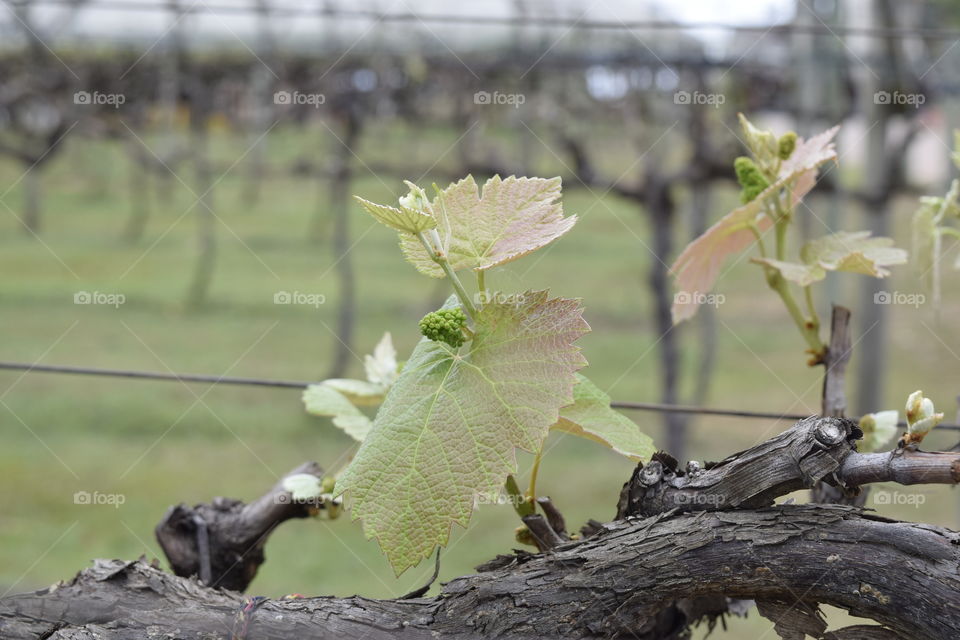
(688, 543)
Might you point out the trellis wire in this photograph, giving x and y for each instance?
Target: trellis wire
(302, 384)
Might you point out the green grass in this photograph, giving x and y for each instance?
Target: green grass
(157, 444)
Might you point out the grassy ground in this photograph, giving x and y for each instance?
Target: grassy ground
(157, 443)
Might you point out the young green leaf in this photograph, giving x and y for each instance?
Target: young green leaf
(381, 366)
(340, 397)
(359, 392)
(928, 229)
(323, 400)
(511, 218)
(854, 252)
(401, 219)
(696, 269)
(926, 242)
(449, 427)
(591, 417)
(356, 426)
(878, 429)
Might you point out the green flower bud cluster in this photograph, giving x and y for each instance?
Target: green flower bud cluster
(750, 178)
(786, 144)
(445, 325)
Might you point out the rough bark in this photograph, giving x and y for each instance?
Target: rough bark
(813, 450)
(835, 364)
(613, 584)
(834, 397)
(708, 539)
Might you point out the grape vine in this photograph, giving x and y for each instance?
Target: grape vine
(494, 372)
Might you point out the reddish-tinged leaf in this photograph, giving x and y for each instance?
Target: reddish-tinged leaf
(698, 266)
(450, 425)
(508, 220)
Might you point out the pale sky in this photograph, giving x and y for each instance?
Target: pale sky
(308, 24)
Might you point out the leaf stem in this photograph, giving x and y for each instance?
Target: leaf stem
(809, 327)
(756, 234)
(441, 260)
(781, 225)
(458, 288)
(482, 285)
(950, 198)
(812, 308)
(532, 489)
(521, 505)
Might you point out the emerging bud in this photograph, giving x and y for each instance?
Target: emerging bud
(332, 507)
(523, 535)
(327, 484)
(750, 178)
(763, 145)
(914, 406)
(786, 144)
(878, 429)
(417, 199)
(921, 417)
